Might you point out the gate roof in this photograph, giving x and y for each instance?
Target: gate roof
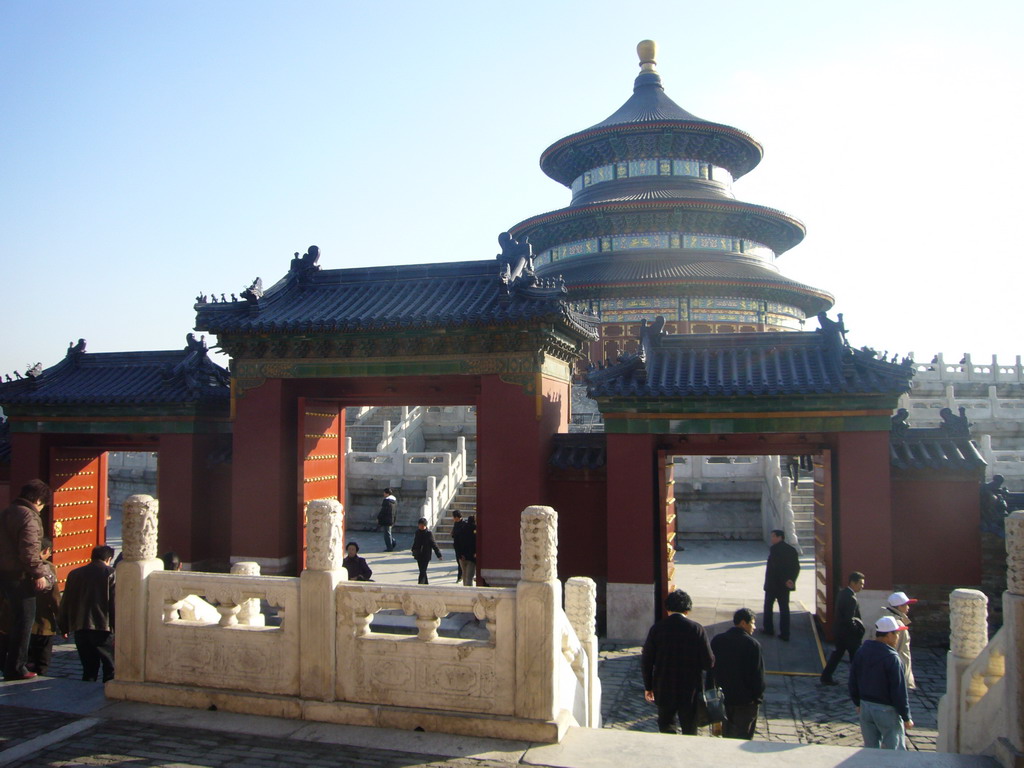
(175, 377)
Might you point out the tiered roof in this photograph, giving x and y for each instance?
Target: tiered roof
(651, 125)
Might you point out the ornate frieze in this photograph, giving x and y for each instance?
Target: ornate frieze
(516, 367)
(139, 527)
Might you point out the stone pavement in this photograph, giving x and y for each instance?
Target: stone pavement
(62, 721)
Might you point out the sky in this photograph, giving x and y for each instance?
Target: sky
(153, 151)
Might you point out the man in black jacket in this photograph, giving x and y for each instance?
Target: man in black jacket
(422, 545)
(22, 572)
(739, 670)
(88, 610)
(673, 660)
(780, 577)
(849, 629)
(386, 518)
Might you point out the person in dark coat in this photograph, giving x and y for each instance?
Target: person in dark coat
(23, 572)
(739, 670)
(457, 523)
(674, 657)
(47, 623)
(849, 629)
(780, 577)
(357, 567)
(465, 549)
(386, 518)
(422, 545)
(88, 610)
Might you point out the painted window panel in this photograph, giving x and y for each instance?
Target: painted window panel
(629, 242)
(643, 167)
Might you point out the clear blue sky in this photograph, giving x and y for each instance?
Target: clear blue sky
(152, 151)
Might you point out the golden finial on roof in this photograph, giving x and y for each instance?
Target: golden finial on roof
(647, 50)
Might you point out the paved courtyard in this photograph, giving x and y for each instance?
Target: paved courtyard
(720, 576)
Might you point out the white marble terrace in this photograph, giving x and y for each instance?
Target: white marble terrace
(199, 640)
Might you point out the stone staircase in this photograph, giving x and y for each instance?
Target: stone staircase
(465, 502)
(803, 512)
(367, 434)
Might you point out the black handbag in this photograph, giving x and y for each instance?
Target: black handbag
(711, 707)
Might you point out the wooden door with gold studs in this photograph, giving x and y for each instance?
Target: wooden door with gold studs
(78, 478)
(824, 564)
(321, 458)
(666, 525)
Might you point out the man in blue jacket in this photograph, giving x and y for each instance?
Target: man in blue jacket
(878, 688)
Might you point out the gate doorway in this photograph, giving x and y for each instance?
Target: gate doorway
(688, 501)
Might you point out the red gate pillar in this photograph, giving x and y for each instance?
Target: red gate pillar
(264, 479)
(633, 539)
(863, 512)
(514, 428)
(29, 459)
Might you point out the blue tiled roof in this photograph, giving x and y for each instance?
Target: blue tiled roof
(747, 364)
(650, 111)
(913, 451)
(185, 376)
(579, 451)
(450, 295)
(946, 448)
(659, 268)
(5, 442)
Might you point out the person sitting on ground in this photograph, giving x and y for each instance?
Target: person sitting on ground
(47, 623)
(357, 567)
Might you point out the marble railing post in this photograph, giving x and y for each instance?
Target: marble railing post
(325, 533)
(968, 636)
(538, 598)
(249, 613)
(581, 608)
(1013, 628)
(139, 529)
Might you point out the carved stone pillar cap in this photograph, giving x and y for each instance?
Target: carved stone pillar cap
(139, 524)
(246, 568)
(325, 532)
(968, 622)
(538, 527)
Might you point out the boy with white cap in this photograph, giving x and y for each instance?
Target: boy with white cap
(898, 606)
(878, 688)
